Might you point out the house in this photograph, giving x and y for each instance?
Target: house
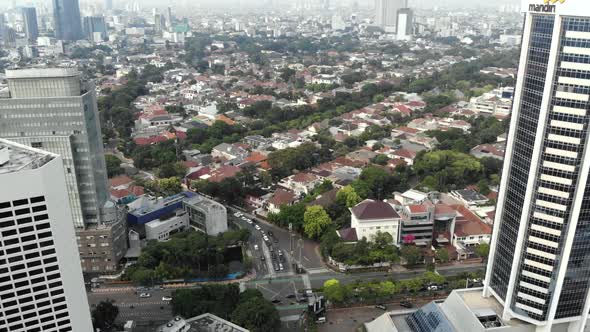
(469, 232)
(326, 199)
(496, 151)
(469, 197)
(404, 154)
(411, 196)
(279, 198)
(301, 183)
(370, 217)
(257, 141)
(229, 151)
(224, 172)
(364, 156)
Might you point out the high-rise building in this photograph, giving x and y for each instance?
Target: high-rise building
(95, 28)
(66, 20)
(30, 21)
(540, 254)
(405, 24)
(54, 110)
(108, 4)
(386, 13)
(169, 18)
(8, 36)
(41, 284)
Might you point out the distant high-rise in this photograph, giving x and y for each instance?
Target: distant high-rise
(41, 284)
(95, 28)
(66, 19)
(405, 24)
(30, 21)
(54, 110)
(108, 4)
(386, 13)
(169, 18)
(540, 252)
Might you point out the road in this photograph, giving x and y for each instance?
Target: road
(132, 307)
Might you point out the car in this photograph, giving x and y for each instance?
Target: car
(281, 267)
(269, 233)
(256, 247)
(257, 227)
(381, 306)
(238, 214)
(275, 301)
(276, 267)
(249, 221)
(291, 296)
(167, 298)
(321, 320)
(265, 238)
(433, 288)
(262, 258)
(280, 252)
(406, 304)
(145, 295)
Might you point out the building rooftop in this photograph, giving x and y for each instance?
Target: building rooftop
(370, 209)
(41, 73)
(209, 322)
(203, 202)
(146, 205)
(16, 157)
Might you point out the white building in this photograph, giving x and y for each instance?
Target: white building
(41, 285)
(405, 24)
(386, 13)
(161, 229)
(370, 217)
(206, 215)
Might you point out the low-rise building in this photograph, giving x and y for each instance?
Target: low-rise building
(206, 215)
(370, 217)
(301, 183)
(161, 229)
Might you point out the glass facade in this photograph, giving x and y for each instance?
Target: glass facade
(68, 126)
(546, 276)
(528, 117)
(67, 21)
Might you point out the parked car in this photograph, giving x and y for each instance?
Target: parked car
(276, 267)
(269, 233)
(145, 295)
(281, 267)
(433, 287)
(237, 214)
(256, 247)
(321, 320)
(262, 258)
(406, 304)
(291, 296)
(257, 227)
(381, 306)
(167, 298)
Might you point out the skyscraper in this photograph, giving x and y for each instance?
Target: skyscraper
(41, 285)
(405, 24)
(386, 13)
(66, 19)
(108, 4)
(95, 28)
(54, 110)
(30, 22)
(540, 253)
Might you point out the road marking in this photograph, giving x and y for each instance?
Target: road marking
(307, 259)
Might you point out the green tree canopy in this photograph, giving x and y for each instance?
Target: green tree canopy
(348, 197)
(315, 221)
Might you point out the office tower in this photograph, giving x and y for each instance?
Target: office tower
(54, 110)
(30, 22)
(95, 28)
(169, 18)
(108, 4)
(159, 22)
(405, 24)
(66, 20)
(540, 255)
(41, 284)
(8, 36)
(386, 13)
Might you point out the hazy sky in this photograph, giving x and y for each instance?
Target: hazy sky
(148, 3)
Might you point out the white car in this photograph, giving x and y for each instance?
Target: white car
(145, 295)
(238, 214)
(281, 267)
(265, 238)
(167, 298)
(257, 227)
(255, 247)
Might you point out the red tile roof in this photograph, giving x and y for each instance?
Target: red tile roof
(348, 234)
(282, 197)
(120, 180)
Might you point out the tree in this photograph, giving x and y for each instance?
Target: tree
(433, 278)
(104, 315)
(113, 165)
(333, 291)
(348, 197)
(483, 188)
(411, 254)
(257, 315)
(380, 159)
(483, 250)
(442, 255)
(315, 221)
